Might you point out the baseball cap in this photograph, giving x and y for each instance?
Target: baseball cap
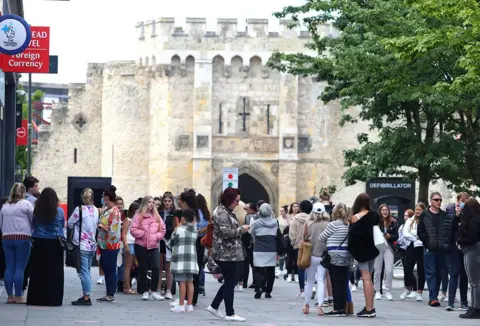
(318, 208)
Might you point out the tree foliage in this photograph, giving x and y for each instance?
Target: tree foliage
(21, 151)
(385, 63)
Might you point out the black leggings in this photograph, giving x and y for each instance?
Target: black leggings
(196, 278)
(338, 275)
(414, 255)
(264, 279)
(291, 262)
(147, 258)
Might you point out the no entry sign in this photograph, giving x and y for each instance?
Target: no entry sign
(22, 134)
(36, 57)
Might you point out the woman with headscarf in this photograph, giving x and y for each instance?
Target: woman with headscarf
(264, 235)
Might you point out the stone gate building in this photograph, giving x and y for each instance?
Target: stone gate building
(194, 102)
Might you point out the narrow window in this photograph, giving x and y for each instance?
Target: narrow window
(74, 156)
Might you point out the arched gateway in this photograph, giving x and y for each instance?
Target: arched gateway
(255, 184)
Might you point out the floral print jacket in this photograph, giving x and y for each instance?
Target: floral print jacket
(110, 239)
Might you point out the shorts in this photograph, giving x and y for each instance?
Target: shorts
(366, 265)
(184, 277)
(132, 249)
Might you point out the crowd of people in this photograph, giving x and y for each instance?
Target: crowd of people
(327, 248)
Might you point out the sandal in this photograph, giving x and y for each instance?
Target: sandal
(20, 300)
(320, 311)
(306, 309)
(11, 300)
(129, 291)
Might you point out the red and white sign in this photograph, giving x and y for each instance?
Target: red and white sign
(35, 58)
(22, 134)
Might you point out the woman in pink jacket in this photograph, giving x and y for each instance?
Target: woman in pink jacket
(148, 229)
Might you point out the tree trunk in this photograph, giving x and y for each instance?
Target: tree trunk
(423, 185)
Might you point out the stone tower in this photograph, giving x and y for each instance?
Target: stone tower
(194, 102)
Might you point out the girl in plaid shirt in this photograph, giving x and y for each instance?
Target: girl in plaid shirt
(184, 259)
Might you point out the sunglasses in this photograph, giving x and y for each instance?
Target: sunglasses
(438, 200)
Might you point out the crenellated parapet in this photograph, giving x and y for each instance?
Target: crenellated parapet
(226, 28)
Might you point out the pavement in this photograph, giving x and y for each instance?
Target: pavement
(284, 309)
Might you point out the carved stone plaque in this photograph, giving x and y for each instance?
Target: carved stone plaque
(182, 142)
(304, 145)
(288, 142)
(80, 121)
(202, 141)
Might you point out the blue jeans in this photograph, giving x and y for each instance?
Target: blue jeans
(349, 293)
(435, 266)
(17, 253)
(456, 270)
(301, 274)
(108, 261)
(84, 271)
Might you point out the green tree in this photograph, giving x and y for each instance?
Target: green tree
(397, 97)
(21, 151)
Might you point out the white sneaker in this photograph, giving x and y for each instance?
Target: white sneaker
(412, 295)
(168, 295)
(354, 288)
(188, 308)
(145, 296)
(157, 296)
(134, 281)
(378, 296)
(178, 309)
(405, 294)
(301, 295)
(441, 297)
(101, 280)
(278, 274)
(235, 318)
(215, 312)
(296, 278)
(419, 297)
(389, 296)
(175, 303)
(240, 288)
(446, 299)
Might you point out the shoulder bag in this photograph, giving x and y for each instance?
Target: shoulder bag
(326, 258)
(73, 256)
(305, 251)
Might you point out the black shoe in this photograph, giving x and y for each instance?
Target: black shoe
(471, 314)
(253, 286)
(338, 313)
(82, 302)
(367, 313)
(434, 303)
(285, 277)
(258, 295)
(268, 296)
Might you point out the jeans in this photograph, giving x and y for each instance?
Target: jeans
(264, 279)
(147, 258)
(472, 268)
(196, 277)
(84, 271)
(281, 262)
(226, 291)
(291, 263)
(315, 272)
(349, 293)
(17, 253)
(247, 263)
(456, 270)
(387, 257)
(108, 261)
(338, 275)
(301, 273)
(434, 269)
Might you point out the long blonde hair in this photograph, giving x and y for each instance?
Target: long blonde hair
(87, 196)
(143, 209)
(17, 193)
(340, 212)
(416, 219)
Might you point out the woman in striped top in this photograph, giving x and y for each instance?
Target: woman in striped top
(335, 235)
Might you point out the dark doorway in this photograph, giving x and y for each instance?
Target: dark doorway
(251, 190)
(76, 186)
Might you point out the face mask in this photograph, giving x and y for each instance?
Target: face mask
(102, 202)
(462, 205)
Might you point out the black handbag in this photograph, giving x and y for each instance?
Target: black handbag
(73, 258)
(326, 258)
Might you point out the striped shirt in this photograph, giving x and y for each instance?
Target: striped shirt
(336, 233)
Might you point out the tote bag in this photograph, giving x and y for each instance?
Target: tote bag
(379, 239)
(305, 251)
(73, 256)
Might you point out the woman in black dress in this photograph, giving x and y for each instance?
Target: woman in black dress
(46, 259)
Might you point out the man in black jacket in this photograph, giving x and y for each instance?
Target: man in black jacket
(431, 230)
(454, 256)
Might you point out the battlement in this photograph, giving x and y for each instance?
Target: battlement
(226, 28)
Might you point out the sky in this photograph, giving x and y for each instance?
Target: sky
(85, 31)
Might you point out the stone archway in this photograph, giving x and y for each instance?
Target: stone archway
(248, 171)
